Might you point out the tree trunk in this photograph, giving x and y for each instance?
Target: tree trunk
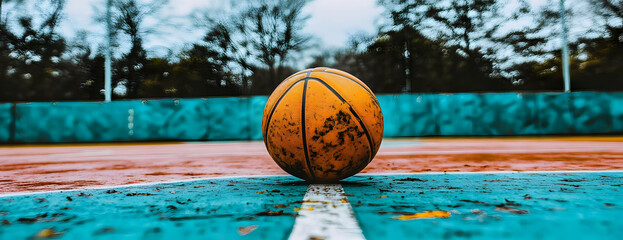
(271, 75)
(245, 84)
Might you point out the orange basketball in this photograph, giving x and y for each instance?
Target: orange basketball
(322, 125)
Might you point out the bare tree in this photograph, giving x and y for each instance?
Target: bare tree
(258, 38)
(128, 17)
(612, 13)
(7, 1)
(271, 29)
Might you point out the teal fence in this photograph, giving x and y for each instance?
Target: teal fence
(492, 114)
(6, 122)
(406, 115)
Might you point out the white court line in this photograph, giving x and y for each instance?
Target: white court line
(384, 152)
(489, 172)
(99, 187)
(326, 214)
(136, 184)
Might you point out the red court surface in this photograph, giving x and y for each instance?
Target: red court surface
(58, 167)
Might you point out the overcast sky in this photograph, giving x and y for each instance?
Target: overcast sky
(330, 22)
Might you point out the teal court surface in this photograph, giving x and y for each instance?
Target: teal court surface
(487, 205)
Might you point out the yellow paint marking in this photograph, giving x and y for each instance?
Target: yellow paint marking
(308, 201)
(426, 214)
(300, 209)
(48, 233)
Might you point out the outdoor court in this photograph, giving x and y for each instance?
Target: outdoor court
(424, 188)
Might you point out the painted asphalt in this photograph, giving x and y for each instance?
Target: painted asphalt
(233, 190)
(204, 209)
(58, 167)
(490, 206)
(572, 205)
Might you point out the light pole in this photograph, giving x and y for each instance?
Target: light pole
(565, 49)
(107, 64)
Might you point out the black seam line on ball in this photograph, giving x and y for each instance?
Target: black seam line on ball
(275, 107)
(365, 130)
(311, 173)
(284, 93)
(344, 76)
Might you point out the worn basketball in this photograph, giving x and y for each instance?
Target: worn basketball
(322, 125)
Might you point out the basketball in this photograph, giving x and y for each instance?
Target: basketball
(322, 125)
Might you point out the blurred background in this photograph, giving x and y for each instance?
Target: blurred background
(54, 50)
